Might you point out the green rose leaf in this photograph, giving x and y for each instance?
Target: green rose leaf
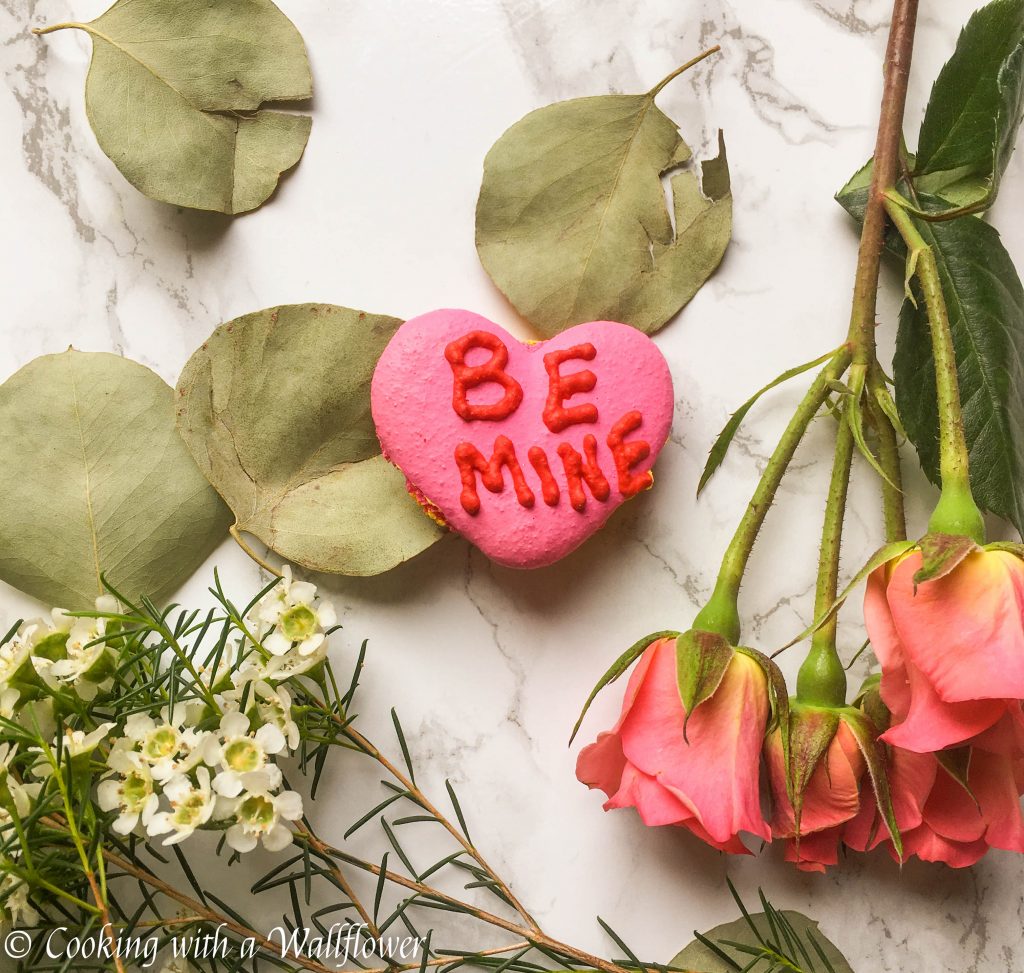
(572, 225)
(853, 197)
(784, 940)
(986, 314)
(971, 122)
(96, 479)
(174, 96)
(275, 408)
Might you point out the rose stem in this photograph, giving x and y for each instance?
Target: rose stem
(822, 679)
(956, 511)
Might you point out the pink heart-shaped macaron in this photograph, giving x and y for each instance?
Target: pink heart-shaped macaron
(525, 449)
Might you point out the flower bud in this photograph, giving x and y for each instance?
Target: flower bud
(818, 780)
(686, 749)
(946, 623)
(951, 806)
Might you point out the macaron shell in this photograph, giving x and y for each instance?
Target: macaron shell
(419, 429)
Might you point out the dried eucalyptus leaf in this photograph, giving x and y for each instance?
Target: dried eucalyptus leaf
(96, 479)
(572, 225)
(174, 95)
(275, 408)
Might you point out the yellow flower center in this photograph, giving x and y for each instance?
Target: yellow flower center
(298, 623)
(161, 742)
(256, 811)
(243, 756)
(135, 790)
(190, 811)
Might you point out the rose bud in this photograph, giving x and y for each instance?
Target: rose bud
(687, 747)
(945, 620)
(834, 768)
(949, 808)
(954, 805)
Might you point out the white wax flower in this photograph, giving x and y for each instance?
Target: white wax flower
(258, 817)
(74, 743)
(291, 616)
(131, 792)
(177, 964)
(280, 667)
(17, 653)
(8, 702)
(22, 794)
(14, 893)
(242, 756)
(192, 804)
(168, 747)
(272, 704)
(87, 664)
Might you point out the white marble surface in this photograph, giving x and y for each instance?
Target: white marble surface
(487, 666)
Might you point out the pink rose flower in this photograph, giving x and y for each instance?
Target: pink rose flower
(940, 819)
(831, 799)
(706, 781)
(952, 652)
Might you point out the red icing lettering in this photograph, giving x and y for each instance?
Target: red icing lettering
(560, 387)
(470, 376)
(471, 461)
(627, 455)
(577, 473)
(548, 483)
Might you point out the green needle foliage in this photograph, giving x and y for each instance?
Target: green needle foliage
(401, 866)
(771, 941)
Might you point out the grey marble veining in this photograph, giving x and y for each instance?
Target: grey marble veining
(489, 666)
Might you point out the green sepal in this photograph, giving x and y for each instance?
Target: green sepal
(618, 667)
(1011, 547)
(701, 661)
(855, 419)
(873, 750)
(957, 763)
(869, 700)
(940, 555)
(725, 437)
(887, 404)
(811, 730)
(778, 697)
(882, 556)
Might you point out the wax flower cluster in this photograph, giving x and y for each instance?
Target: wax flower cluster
(928, 760)
(171, 778)
(208, 761)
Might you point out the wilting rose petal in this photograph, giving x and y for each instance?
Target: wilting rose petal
(831, 800)
(951, 649)
(706, 779)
